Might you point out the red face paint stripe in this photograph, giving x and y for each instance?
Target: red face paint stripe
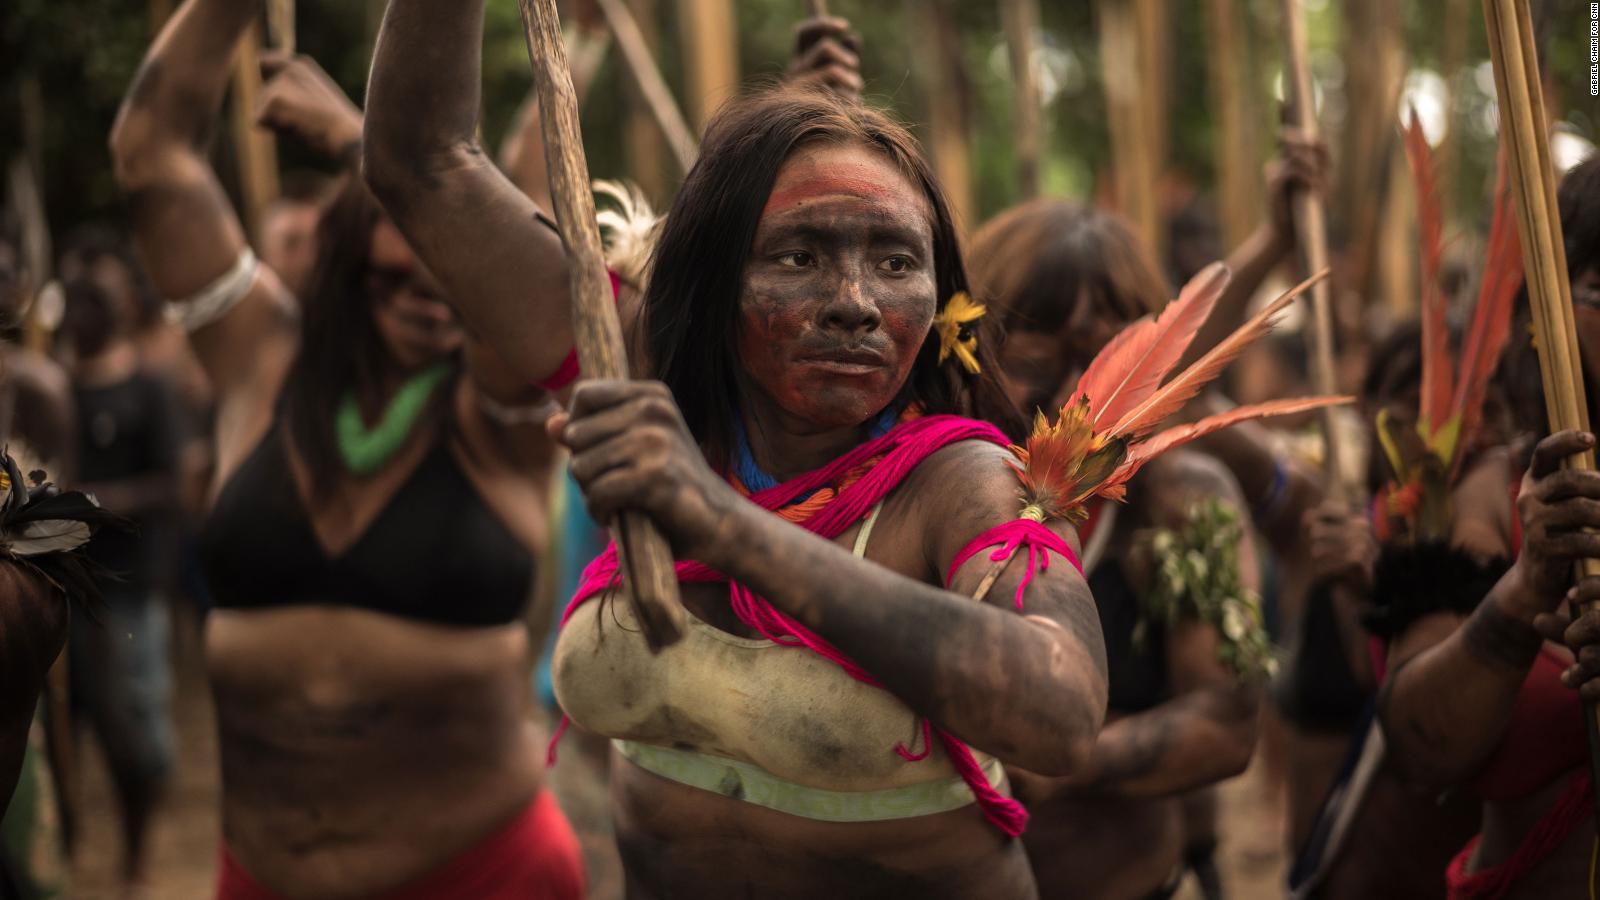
(826, 186)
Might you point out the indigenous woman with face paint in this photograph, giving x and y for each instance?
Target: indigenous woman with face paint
(818, 451)
(1067, 279)
(378, 501)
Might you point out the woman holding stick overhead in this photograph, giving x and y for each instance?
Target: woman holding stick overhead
(833, 721)
(376, 511)
(1481, 698)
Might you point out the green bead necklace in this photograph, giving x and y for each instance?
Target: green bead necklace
(366, 451)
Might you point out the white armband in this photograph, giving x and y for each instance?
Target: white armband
(216, 299)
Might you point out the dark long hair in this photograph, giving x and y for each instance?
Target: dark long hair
(1042, 258)
(690, 314)
(340, 349)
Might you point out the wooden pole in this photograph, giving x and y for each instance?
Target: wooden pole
(1311, 228)
(1523, 130)
(817, 8)
(1020, 19)
(651, 584)
(254, 147)
(711, 55)
(280, 24)
(647, 76)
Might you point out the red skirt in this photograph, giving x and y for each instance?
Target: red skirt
(534, 857)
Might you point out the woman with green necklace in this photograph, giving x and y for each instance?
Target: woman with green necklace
(379, 496)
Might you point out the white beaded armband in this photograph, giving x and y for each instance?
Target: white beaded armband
(216, 299)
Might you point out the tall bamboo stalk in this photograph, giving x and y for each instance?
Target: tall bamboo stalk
(645, 148)
(1311, 229)
(711, 55)
(651, 583)
(647, 76)
(1533, 187)
(941, 76)
(254, 147)
(1135, 147)
(1020, 20)
(1374, 65)
(1237, 128)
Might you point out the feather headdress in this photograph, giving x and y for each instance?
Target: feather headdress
(42, 528)
(1450, 410)
(1107, 431)
(630, 228)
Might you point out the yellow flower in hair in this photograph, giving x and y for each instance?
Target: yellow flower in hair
(954, 335)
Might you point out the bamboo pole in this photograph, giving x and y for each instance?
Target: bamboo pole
(644, 145)
(1237, 128)
(1311, 228)
(647, 76)
(941, 78)
(1020, 19)
(1134, 150)
(711, 54)
(1374, 65)
(1523, 129)
(651, 584)
(254, 148)
(817, 8)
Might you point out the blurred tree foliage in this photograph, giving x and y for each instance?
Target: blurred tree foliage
(82, 53)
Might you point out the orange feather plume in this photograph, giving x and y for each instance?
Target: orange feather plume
(1133, 364)
(1437, 368)
(1103, 435)
(1491, 320)
(1170, 397)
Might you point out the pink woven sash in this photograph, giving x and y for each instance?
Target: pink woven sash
(902, 449)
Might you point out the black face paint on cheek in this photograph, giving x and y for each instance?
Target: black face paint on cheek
(786, 349)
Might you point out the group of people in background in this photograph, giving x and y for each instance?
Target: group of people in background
(354, 459)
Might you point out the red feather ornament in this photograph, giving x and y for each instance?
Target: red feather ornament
(1450, 410)
(1107, 431)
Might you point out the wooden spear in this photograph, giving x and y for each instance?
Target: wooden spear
(1544, 255)
(647, 75)
(1311, 228)
(651, 584)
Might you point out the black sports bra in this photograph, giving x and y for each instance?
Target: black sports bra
(435, 552)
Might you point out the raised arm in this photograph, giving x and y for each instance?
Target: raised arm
(503, 270)
(187, 232)
(1449, 699)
